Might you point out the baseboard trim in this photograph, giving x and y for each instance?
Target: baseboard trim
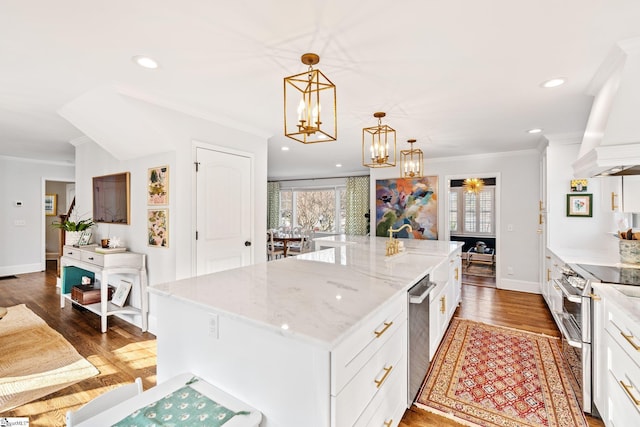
(519, 285)
(20, 269)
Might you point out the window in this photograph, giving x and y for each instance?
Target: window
(471, 213)
(317, 209)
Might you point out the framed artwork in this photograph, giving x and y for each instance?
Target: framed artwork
(85, 238)
(579, 205)
(410, 201)
(111, 198)
(158, 228)
(50, 204)
(121, 293)
(578, 185)
(158, 186)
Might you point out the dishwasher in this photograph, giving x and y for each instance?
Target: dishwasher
(418, 297)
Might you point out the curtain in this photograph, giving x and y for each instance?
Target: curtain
(273, 205)
(357, 205)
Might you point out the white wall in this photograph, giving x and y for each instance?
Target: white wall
(517, 195)
(23, 250)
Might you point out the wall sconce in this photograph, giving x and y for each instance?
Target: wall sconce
(379, 145)
(411, 161)
(309, 98)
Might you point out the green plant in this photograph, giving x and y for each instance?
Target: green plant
(69, 225)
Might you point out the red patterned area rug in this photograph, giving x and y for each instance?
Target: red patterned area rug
(488, 376)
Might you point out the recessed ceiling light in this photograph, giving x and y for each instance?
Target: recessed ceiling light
(145, 62)
(559, 81)
(338, 165)
(285, 148)
(535, 130)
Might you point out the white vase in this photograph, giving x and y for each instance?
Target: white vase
(72, 237)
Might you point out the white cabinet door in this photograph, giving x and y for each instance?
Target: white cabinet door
(631, 193)
(599, 380)
(611, 193)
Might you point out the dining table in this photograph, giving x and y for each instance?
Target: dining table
(286, 240)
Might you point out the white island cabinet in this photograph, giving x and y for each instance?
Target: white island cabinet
(314, 340)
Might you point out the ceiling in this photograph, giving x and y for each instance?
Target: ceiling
(461, 77)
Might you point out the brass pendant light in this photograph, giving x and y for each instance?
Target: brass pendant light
(310, 98)
(379, 145)
(473, 185)
(411, 161)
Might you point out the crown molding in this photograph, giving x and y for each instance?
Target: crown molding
(40, 161)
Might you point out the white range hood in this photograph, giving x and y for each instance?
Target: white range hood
(611, 142)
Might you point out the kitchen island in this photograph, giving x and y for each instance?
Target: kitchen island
(315, 340)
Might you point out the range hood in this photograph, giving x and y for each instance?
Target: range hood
(611, 142)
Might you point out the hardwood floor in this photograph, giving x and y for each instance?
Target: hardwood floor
(123, 352)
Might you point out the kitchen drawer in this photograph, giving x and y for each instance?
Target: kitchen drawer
(92, 258)
(623, 386)
(352, 353)
(388, 406)
(624, 331)
(71, 252)
(374, 377)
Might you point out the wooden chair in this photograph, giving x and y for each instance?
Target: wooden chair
(104, 402)
(273, 250)
(296, 248)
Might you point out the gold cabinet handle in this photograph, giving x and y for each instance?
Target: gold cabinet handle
(539, 219)
(387, 371)
(457, 273)
(594, 297)
(627, 388)
(556, 287)
(629, 339)
(613, 201)
(387, 325)
(547, 257)
(388, 423)
(540, 207)
(443, 303)
(548, 274)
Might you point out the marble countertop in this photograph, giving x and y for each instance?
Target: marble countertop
(625, 297)
(318, 296)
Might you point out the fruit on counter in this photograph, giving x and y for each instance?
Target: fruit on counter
(629, 235)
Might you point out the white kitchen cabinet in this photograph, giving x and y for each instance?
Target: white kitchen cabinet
(553, 271)
(599, 354)
(620, 193)
(444, 299)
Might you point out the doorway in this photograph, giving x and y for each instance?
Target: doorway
(58, 196)
(473, 220)
(224, 210)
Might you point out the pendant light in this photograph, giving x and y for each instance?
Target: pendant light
(379, 145)
(310, 105)
(411, 161)
(473, 185)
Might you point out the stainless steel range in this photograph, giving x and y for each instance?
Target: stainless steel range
(575, 320)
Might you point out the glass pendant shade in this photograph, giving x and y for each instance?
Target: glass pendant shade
(411, 162)
(310, 105)
(379, 145)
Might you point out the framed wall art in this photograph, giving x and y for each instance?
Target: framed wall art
(158, 228)
(50, 204)
(410, 201)
(111, 198)
(579, 205)
(578, 185)
(121, 293)
(158, 186)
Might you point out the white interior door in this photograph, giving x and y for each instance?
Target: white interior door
(224, 211)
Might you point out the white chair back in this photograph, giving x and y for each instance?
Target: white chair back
(103, 402)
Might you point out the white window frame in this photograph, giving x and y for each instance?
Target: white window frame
(339, 229)
(461, 214)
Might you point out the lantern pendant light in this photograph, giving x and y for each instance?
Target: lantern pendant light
(411, 162)
(379, 145)
(310, 105)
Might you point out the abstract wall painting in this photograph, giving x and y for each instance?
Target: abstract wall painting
(158, 186)
(412, 201)
(158, 228)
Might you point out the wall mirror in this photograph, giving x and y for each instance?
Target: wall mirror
(111, 198)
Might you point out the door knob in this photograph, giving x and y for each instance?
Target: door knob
(247, 243)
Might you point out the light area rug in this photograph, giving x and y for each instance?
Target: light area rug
(485, 375)
(479, 270)
(35, 360)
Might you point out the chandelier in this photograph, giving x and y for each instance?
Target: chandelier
(379, 145)
(309, 98)
(473, 185)
(411, 161)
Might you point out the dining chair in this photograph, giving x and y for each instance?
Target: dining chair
(104, 402)
(304, 245)
(273, 250)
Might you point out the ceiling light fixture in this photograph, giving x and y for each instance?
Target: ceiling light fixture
(338, 165)
(145, 62)
(559, 81)
(535, 130)
(379, 145)
(473, 185)
(309, 98)
(411, 161)
(285, 148)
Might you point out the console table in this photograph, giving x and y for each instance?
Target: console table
(104, 265)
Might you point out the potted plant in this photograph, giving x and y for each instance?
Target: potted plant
(73, 229)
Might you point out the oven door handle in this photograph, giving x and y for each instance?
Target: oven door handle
(571, 297)
(573, 341)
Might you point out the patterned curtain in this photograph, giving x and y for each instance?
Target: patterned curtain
(273, 204)
(357, 205)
